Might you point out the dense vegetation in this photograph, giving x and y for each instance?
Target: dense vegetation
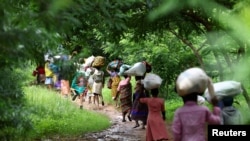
(172, 35)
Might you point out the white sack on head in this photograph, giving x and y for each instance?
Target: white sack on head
(89, 60)
(193, 80)
(123, 68)
(138, 69)
(151, 81)
(224, 89)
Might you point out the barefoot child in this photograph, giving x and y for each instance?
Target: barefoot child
(156, 127)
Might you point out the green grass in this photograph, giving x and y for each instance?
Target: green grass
(170, 106)
(54, 115)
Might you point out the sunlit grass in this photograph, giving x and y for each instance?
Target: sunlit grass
(54, 115)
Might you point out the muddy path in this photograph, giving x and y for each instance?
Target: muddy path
(119, 131)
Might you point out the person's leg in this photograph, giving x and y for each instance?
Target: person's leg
(101, 97)
(96, 98)
(38, 79)
(81, 101)
(75, 95)
(129, 117)
(123, 116)
(89, 99)
(136, 124)
(117, 103)
(143, 124)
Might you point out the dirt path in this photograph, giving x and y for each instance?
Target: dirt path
(119, 131)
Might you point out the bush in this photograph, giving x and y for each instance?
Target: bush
(13, 120)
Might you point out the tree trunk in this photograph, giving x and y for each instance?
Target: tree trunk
(189, 44)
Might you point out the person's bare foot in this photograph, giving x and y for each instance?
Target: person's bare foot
(137, 125)
(129, 118)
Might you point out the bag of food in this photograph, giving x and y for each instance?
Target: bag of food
(99, 61)
(89, 60)
(225, 89)
(193, 80)
(151, 81)
(138, 69)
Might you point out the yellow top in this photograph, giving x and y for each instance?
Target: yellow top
(48, 71)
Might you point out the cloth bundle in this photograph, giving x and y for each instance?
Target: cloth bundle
(99, 61)
(89, 61)
(224, 89)
(194, 80)
(151, 81)
(123, 68)
(138, 69)
(116, 64)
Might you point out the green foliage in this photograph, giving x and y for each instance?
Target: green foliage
(170, 35)
(13, 118)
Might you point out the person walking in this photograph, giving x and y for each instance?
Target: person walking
(90, 94)
(139, 110)
(230, 114)
(191, 119)
(39, 72)
(98, 85)
(66, 73)
(156, 127)
(114, 85)
(78, 85)
(124, 90)
(48, 74)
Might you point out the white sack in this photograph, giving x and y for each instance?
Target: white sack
(193, 80)
(224, 89)
(151, 81)
(123, 68)
(89, 60)
(138, 69)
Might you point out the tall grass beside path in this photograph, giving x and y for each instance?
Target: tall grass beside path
(53, 115)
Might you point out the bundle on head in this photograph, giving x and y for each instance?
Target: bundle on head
(193, 80)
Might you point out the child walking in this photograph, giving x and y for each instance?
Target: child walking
(156, 127)
(191, 119)
(230, 114)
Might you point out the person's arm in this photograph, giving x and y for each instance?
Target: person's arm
(127, 80)
(163, 110)
(163, 115)
(109, 72)
(103, 79)
(214, 117)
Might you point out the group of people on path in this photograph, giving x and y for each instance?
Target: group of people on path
(72, 78)
(190, 120)
(140, 104)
